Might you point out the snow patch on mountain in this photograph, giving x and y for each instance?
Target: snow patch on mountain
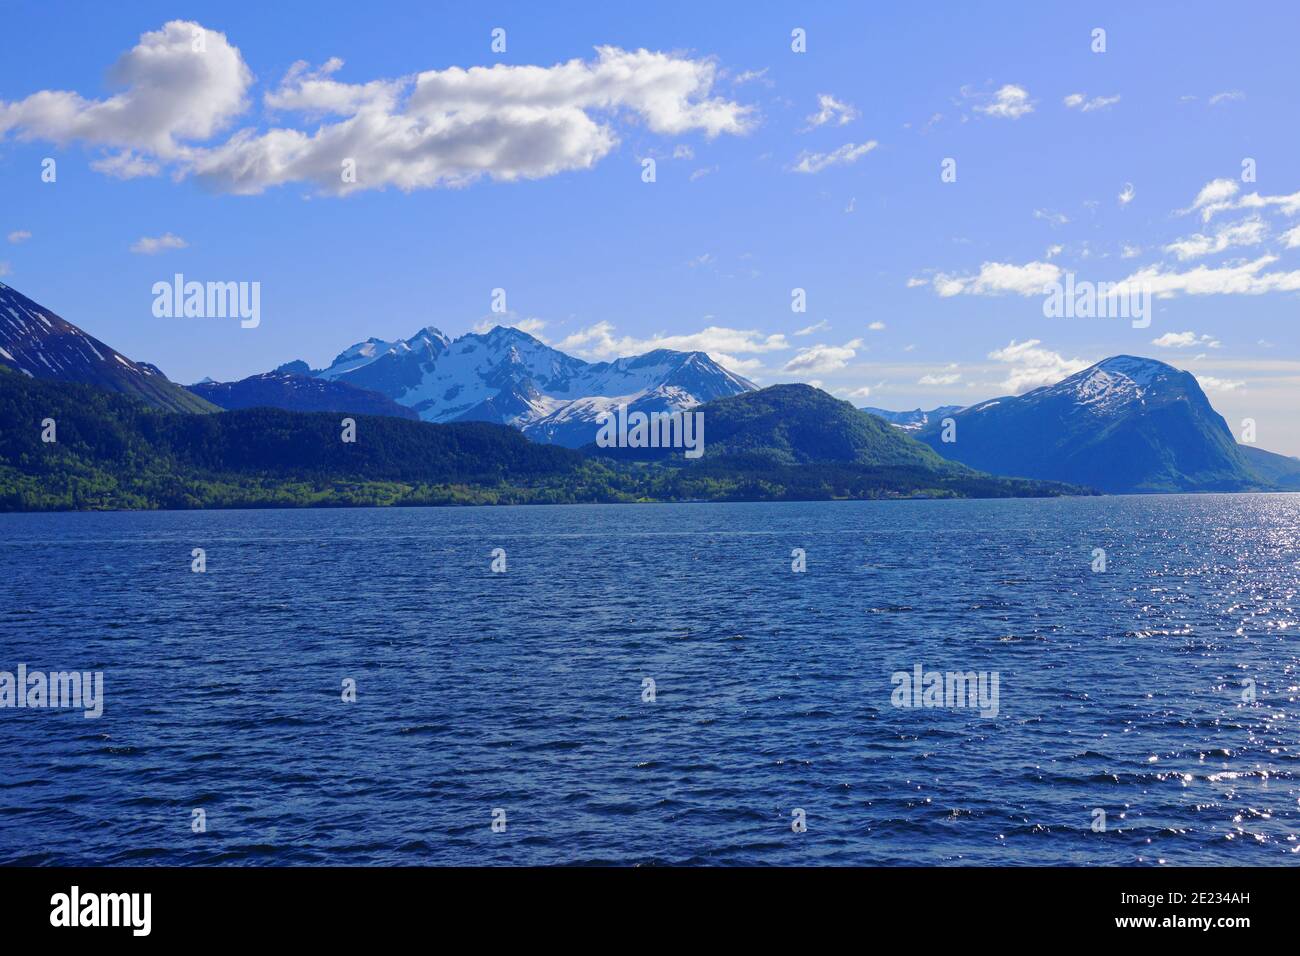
(507, 376)
(914, 420)
(1111, 384)
(350, 359)
(41, 344)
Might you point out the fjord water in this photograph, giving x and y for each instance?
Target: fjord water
(522, 690)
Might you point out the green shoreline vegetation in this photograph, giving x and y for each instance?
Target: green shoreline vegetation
(113, 453)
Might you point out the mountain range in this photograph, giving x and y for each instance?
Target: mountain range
(509, 377)
(114, 452)
(1127, 424)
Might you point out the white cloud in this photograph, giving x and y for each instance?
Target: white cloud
(1248, 232)
(1054, 218)
(1010, 102)
(1226, 97)
(1213, 197)
(598, 342)
(1288, 205)
(831, 110)
(1218, 195)
(1211, 384)
(702, 172)
(506, 122)
(848, 153)
(1126, 194)
(126, 165)
(809, 330)
(948, 286)
(1235, 277)
(997, 278)
(935, 119)
(876, 327)
(444, 127)
(533, 326)
(171, 94)
(750, 76)
(19, 235)
(822, 358)
(1183, 340)
(1032, 366)
(1081, 102)
(152, 245)
(4, 269)
(1244, 278)
(949, 376)
(863, 392)
(1175, 340)
(315, 94)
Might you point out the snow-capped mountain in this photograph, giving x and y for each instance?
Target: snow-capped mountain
(40, 344)
(507, 376)
(1126, 424)
(914, 420)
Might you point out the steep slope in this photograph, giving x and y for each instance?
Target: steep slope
(799, 424)
(113, 452)
(795, 442)
(299, 393)
(1126, 424)
(1278, 470)
(40, 344)
(508, 376)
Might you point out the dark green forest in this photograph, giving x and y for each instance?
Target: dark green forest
(113, 453)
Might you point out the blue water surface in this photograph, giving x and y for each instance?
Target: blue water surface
(1124, 691)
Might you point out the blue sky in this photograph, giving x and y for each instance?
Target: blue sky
(775, 170)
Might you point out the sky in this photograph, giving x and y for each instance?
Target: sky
(1161, 153)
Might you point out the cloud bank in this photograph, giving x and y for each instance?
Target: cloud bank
(184, 84)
